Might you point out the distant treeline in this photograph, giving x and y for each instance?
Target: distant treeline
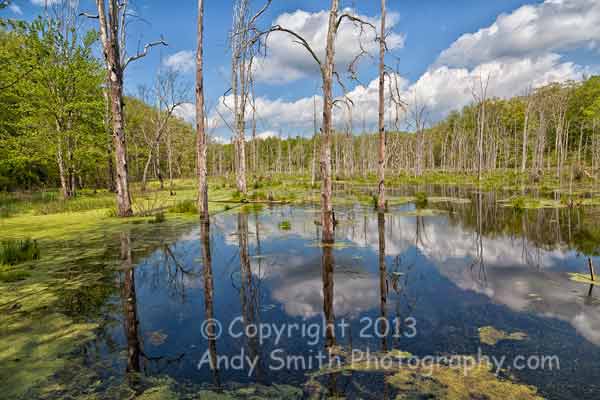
(554, 130)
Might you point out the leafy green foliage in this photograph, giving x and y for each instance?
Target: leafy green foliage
(51, 105)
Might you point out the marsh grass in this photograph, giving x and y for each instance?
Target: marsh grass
(13, 252)
(75, 205)
(184, 207)
(421, 200)
(159, 218)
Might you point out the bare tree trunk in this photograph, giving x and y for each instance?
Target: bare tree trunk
(480, 140)
(525, 134)
(147, 168)
(170, 162)
(109, 36)
(201, 140)
(327, 73)
(254, 144)
(64, 185)
(381, 196)
(314, 152)
(109, 153)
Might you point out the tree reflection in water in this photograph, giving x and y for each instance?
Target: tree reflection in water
(209, 314)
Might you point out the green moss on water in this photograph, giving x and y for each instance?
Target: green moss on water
(158, 393)
(584, 278)
(531, 203)
(433, 379)
(491, 336)
(444, 382)
(445, 199)
(31, 351)
(12, 276)
(422, 213)
(285, 225)
(40, 313)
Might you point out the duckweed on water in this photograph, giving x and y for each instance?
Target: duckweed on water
(491, 336)
(422, 213)
(584, 278)
(40, 324)
(437, 380)
(444, 382)
(285, 225)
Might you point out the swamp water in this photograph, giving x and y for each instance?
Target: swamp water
(470, 279)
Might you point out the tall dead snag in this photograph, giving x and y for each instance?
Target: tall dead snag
(480, 95)
(243, 51)
(314, 143)
(381, 194)
(238, 84)
(201, 140)
(327, 70)
(112, 36)
(526, 131)
(327, 74)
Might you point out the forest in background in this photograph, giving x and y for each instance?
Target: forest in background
(55, 127)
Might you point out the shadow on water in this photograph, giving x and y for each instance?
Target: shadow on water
(473, 265)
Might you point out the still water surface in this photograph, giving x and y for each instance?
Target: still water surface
(437, 279)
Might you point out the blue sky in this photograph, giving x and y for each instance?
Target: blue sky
(518, 43)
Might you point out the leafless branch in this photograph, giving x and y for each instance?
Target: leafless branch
(299, 40)
(354, 18)
(88, 15)
(259, 13)
(142, 54)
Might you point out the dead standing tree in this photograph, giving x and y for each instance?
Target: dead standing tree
(381, 112)
(418, 118)
(480, 96)
(201, 137)
(243, 50)
(168, 95)
(528, 107)
(112, 35)
(327, 71)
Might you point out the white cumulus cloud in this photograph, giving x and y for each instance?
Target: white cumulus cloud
(531, 30)
(182, 61)
(444, 88)
(287, 61)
